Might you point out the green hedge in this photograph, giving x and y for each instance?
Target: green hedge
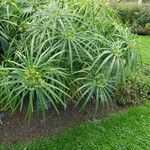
(135, 16)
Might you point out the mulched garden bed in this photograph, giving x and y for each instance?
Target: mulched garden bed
(16, 129)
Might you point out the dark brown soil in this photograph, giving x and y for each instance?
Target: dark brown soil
(16, 129)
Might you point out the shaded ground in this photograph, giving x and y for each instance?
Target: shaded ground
(16, 128)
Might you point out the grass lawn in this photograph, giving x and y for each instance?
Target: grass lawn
(144, 48)
(127, 130)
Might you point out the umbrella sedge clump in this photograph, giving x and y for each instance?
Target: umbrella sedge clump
(54, 42)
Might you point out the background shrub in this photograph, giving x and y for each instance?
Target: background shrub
(136, 87)
(135, 16)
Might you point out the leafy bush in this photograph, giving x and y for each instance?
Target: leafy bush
(135, 16)
(136, 87)
(61, 41)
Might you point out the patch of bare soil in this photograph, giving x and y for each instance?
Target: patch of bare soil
(16, 129)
